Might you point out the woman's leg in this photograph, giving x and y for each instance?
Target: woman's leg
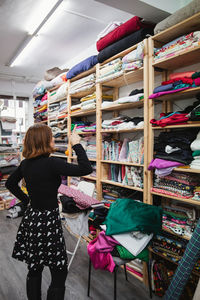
(33, 283)
(56, 290)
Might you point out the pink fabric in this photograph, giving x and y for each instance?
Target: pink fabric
(161, 191)
(156, 95)
(82, 200)
(99, 251)
(161, 164)
(181, 75)
(123, 152)
(44, 97)
(197, 81)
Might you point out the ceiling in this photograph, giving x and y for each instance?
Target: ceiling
(71, 31)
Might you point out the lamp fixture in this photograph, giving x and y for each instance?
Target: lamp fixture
(30, 39)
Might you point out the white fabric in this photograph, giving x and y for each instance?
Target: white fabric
(134, 55)
(129, 99)
(196, 143)
(110, 27)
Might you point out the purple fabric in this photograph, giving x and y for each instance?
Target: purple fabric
(159, 163)
(156, 95)
(164, 172)
(84, 65)
(99, 251)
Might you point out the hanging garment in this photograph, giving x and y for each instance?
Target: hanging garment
(185, 267)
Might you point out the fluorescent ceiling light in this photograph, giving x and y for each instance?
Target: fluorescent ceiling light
(30, 40)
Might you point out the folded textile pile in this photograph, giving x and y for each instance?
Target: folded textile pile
(89, 102)
(131, 151)
(129, 236)
(134, 59)
(55, 110)
(179, 219)
(195, 147)
(176, 184)
(131, 176)
(40, 114)
(89, 144)
(110, 70)
(7, 160)
(130, 26)
(60, 93)
(135, 96)
(178, 45)
(84, 126)
(112, 193)
(84, 65)
(59, 128)
(110, 27)
(40, 101)
(82, 84)
(177, 82)
(123, 123)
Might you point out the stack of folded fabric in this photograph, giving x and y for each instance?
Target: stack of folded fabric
(123, 123)
(89, 144)
(57, 109)
(195, 147)
(110, 70)
(84, 65)
(122, 37)
(88, 102)
(111, 193)
(41, 113)
(82, 84)
(134, 59)
(178, 45)
(40, 101)
(84, 127)
(135, 96)
(9, 159)
(177, 82)
(41, 88)
(179, 219)
(60, 93)
(59, 128)
(176, 184)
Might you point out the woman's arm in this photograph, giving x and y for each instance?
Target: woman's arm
(12, 184)
(67, 169)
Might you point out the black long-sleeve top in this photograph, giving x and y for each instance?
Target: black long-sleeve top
(42, 175)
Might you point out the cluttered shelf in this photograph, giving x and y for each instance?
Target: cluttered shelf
(177, 235)
(83, 113)
(84, 93)
(189, 170)
(186, 125)
(191, 92)
(58, 100)
(122, 131)
(121, 185)
(186, 200)
(122, 163)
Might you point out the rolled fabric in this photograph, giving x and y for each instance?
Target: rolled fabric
(124, 43)
(84, 65)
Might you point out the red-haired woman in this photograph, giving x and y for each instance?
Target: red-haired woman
(40, 240)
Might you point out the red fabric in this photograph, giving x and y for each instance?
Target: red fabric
(184, 80)
(121, 31)
(187, 74)
(175, 119)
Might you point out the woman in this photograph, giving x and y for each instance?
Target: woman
(40, 240)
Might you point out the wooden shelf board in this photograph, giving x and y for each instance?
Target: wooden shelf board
(187, 57)
(89, 177)
(178, 198)
(125, 79)
(41, 122)
(186, 125)
(84, 74)
(58, 100)
(84, 113)
(179, 95)
(86, 133)
(121, 163)
(121, 131)
(55, 88)
(186, 26)
(58, 118)
(124, 106)
(84, 93)
(121, 185)
(59, 155)
(90, 159)
(177, 235)
(187, 170)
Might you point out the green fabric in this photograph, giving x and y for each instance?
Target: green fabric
(195, 75)
(196, 153)
(178, 216)
(127, 215)
(125, 254)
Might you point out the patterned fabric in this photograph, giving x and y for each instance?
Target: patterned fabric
(82, 200)
(190, 257)
(40, 240)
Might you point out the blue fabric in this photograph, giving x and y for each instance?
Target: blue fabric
(84, 65)
(162, 88)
